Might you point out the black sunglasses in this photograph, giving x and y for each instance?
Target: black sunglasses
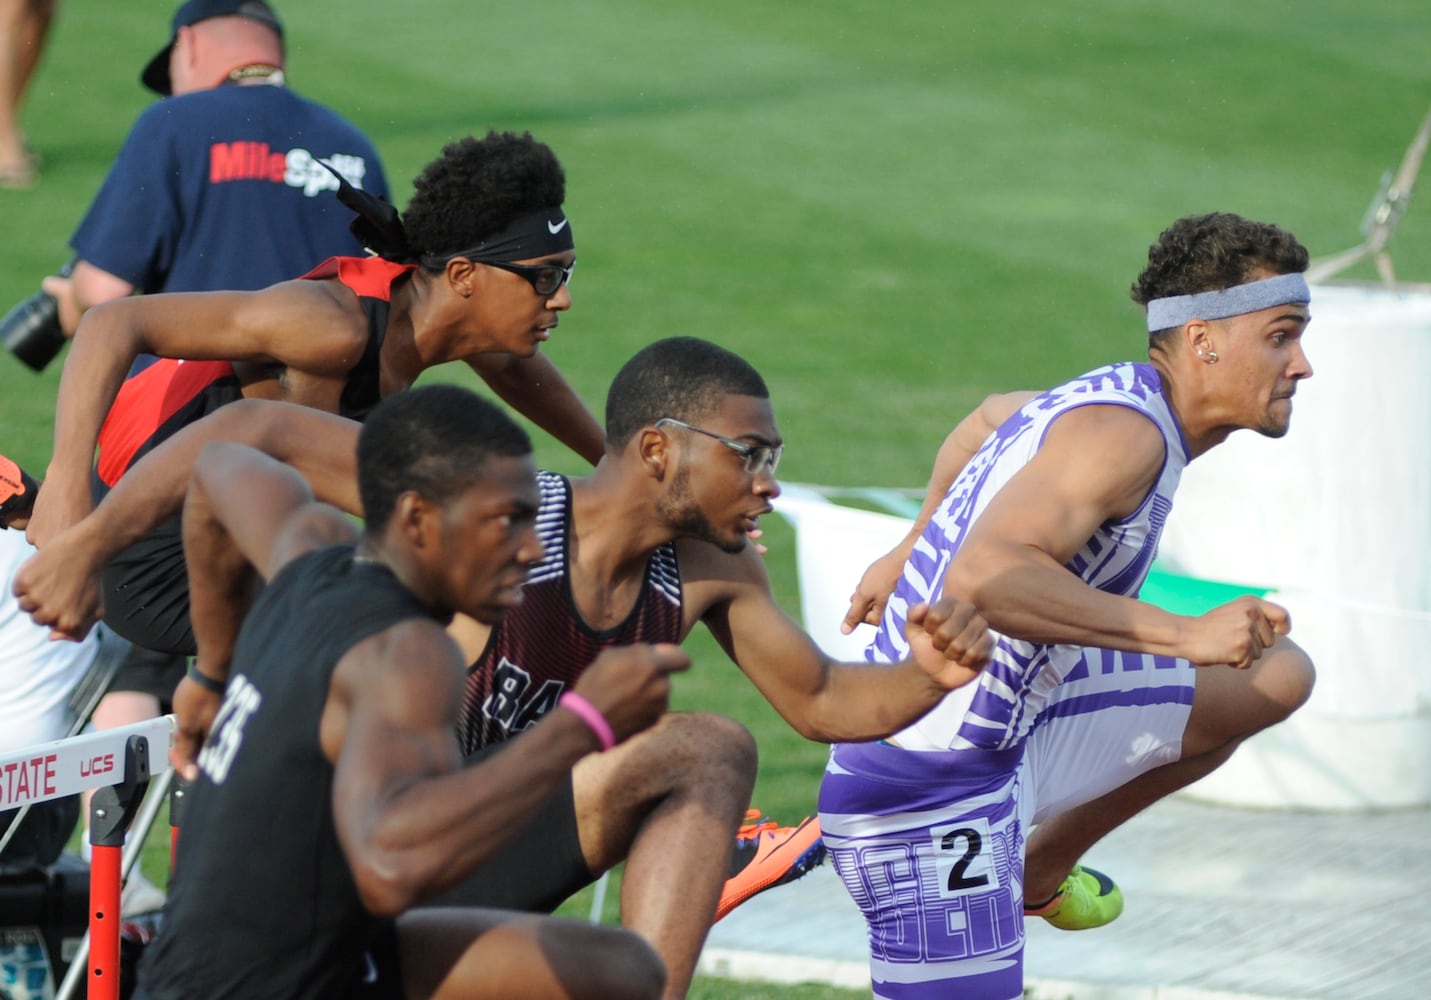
(545, 278)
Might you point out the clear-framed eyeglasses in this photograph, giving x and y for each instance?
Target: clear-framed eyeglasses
(756, 457)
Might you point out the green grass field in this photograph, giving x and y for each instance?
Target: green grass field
(891, 209)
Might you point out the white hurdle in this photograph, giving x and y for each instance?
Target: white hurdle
(118, 764)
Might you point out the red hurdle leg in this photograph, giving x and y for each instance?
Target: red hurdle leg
(104, 893)
(111, 813)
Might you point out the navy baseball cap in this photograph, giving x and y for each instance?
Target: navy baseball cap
(156, 74)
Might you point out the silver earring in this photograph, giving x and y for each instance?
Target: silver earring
(1210, 357)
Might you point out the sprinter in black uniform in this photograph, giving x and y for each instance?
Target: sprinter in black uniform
(330, 795)
(475, 270)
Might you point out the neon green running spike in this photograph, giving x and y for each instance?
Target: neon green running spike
(1087, 899)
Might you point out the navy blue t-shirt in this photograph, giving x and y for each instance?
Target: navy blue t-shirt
(222, 189)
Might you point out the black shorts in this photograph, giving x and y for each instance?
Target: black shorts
(381, 975)
(148, 672)
(378, 975)
(538, 869)
(146, 592)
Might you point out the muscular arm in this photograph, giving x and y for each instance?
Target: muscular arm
(244, 513)
(299, 324)
(411, 819)
(968, 436)
(1097, 464)
(60, 583)
(323, 447)
(820, 698)
(535, 388)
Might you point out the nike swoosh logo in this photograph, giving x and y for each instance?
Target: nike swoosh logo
(554, 229)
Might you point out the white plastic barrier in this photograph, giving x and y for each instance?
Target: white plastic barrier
(1335, 519)
(833, 547)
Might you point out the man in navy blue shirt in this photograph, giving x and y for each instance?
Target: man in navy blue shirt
(220, 186)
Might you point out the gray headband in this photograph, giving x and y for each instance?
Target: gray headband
(1175, 310)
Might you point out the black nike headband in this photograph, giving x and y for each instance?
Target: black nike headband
(539, 234)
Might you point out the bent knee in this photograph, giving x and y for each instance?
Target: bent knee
(1230, 705)
(1286, 676)
(598, 963)
(624, 966)
(643, 974)
(703, 741)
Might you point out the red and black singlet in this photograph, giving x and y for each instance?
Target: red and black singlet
(162, 396)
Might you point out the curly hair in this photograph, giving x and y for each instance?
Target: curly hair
(477, 187)
(681, 377)
(1201, 253)
(435, 440)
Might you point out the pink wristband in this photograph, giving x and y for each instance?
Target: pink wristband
(591, 715)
